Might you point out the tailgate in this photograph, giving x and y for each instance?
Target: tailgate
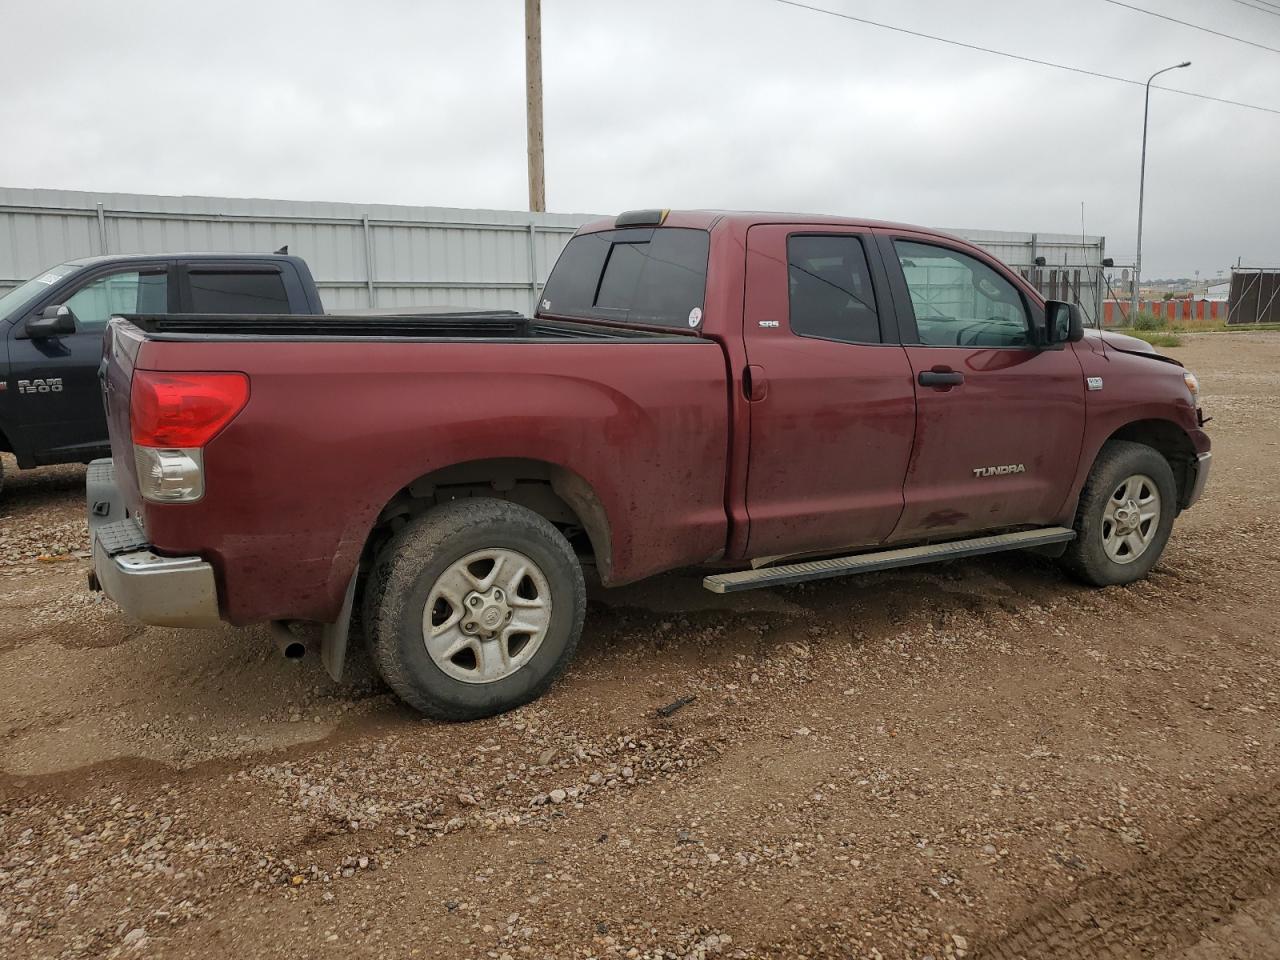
(123, 340)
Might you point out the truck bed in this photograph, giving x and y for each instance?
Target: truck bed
(345, 413)
(502, 325)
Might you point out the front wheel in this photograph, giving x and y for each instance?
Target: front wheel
(1125, 515)
(474, 608)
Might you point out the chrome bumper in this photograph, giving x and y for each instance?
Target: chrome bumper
(1203, 462)
(167, 591)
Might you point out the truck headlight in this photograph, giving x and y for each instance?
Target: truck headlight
(169, 475)
(1192, 383)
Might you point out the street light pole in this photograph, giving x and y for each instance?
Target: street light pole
(1142, 183)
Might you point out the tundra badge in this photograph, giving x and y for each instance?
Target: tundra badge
(999, 471)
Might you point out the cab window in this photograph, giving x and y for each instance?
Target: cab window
(653, 276)
(960, 301)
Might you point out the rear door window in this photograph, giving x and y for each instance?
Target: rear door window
(229, 291)
(829, 287)
(650, 276)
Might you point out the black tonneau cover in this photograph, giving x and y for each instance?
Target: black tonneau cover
(428, 325)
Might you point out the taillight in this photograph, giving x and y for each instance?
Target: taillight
(172, 417)
(183, 409)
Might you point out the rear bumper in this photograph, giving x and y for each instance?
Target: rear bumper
(1203, 462)
(167, 591)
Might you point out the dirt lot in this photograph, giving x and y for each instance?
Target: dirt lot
(981, 759)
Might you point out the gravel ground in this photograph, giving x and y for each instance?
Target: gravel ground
(977, 759)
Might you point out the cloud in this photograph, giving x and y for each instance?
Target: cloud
(720, 103)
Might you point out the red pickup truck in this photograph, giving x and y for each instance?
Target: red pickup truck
(782, 397)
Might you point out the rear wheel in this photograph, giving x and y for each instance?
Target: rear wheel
(1125, 515)
(474, 608)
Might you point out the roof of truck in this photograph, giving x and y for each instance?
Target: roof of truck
(205, 255)
(707, 219)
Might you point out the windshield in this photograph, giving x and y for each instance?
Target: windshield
(12, 302)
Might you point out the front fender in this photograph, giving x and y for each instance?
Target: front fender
(1136, 389)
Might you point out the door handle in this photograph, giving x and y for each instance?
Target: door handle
(754, 384)
(940, 377)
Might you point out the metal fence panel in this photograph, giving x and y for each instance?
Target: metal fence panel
(1255, 295)
(1072, 268)
(385, 255)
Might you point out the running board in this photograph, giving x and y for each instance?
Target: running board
(883, 560)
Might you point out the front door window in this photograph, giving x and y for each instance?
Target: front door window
(129, 292)
(959, 301)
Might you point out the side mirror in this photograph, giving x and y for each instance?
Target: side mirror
(1063, 322)
(53, 321)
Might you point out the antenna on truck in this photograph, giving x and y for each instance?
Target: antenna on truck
(283, 250)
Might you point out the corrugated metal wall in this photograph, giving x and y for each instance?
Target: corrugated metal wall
(361, 254)
(383, 255)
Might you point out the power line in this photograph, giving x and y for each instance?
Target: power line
(1193, 26)
(1266, 6)
(1274, 12)
(1018, 56)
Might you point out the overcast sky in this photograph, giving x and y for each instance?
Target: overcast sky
(673, 103)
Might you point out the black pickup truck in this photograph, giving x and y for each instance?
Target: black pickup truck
(51, 335)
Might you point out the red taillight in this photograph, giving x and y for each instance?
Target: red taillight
(183, 409)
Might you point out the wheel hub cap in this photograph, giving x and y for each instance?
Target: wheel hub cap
(485, 612)
(1127, 517)
(486, 615)
(1131, 518)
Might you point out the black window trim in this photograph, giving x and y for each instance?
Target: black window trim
(880, 286)
(908, 331)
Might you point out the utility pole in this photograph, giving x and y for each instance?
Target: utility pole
(1142, 183)
(533, 90)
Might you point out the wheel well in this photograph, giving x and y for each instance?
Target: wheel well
(1172, 442)
(559, 495)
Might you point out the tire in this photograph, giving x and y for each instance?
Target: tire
(1114, 544)
(444, 554)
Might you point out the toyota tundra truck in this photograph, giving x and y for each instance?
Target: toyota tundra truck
(777, 398)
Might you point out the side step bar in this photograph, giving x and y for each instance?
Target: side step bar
(883, 560)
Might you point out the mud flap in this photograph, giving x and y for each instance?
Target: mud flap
(333, 636)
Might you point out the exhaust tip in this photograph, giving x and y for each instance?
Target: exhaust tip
(288, 644)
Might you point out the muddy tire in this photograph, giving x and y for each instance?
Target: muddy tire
(474, 608)
(1124, 517)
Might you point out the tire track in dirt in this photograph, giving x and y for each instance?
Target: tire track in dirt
(1165, 904)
